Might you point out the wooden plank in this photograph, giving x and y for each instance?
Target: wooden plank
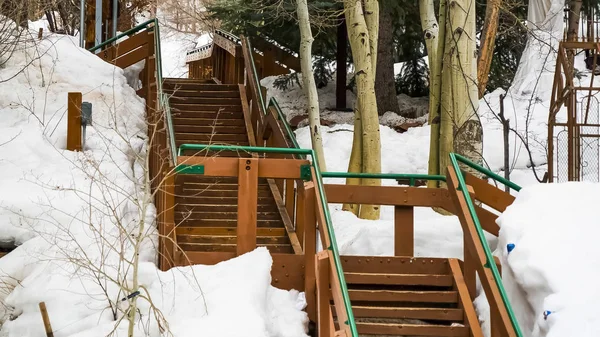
(290, 197)
(431, 296)
(285, 217)
(227, 167)
(128, 45)
(170, 240)
(307, 235)
(224, 247)
(288, 271)
(247, 117)
(438, 314)
(246, 214)
(399, 279)
(395, 265)
(133, 57)
(74, 121)
(203, 93)
(264, 231)
(322, 273)
(412, 330)
(404, 231)
(489, 194)
(230, 239)
(466, 302)
(385, 195)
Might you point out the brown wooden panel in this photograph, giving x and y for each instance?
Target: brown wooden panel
(438, 314)
(247, 205)
(288, 271)
(466, 302)
(130, 44)
(395, 265)
(133, 57)
(399, 279)
(267, 168)
(222, 247)
(412, 330)
(404, 231)
(385, 195)
(403, 296)
(488, 194)
(228, 231)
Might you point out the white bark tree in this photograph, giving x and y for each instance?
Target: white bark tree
(308, 81)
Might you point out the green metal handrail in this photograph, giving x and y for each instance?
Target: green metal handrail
(328, 222)
(125, 33)
(489, 263)
(487, 172)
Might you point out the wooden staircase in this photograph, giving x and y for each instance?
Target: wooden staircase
(403, 296)
(206, 207)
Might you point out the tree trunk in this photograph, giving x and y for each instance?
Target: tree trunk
(361, 30)
(308, 81)
(465, 127)
(385, 86)
(435, 36)
(573, 28)
(356, 162)
(486, 53)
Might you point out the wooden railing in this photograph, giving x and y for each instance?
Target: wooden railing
(464, 189)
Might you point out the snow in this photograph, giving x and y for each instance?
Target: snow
(554, 260)
(78, 217)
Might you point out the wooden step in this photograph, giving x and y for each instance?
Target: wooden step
(202, 199)
(208, 247)
(178, 122)
(220, 101)
(199, 86)
(222, 239)
(182, 107)
(210, 154)
(395, 265)
(212, 115)
(195, 222)
(411, 330)
(436, 314)
(366, 295)
(190, 131)
(196, 93)
(181, 214)
(208, 186)
(227, 231)
(195, 208)
(399, 279)
(208, 138)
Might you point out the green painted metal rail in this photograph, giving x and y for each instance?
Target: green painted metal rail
(328, 222)
(489, 263)
(487, 172)
(412, 178)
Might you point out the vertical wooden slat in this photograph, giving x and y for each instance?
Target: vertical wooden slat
(247, 204)
(46, 319)
(168, 216)
(290, 197)
(470, 272)
(323, 307)
(465, 302)
(74, 121)
(404, 231)
(307, 233)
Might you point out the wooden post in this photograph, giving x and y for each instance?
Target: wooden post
(168, 237)
(404, 231)
(40, 33)
(46, 319)
(323, 307)
(74, 121)
(247, 205)
(307, 235)
(290, 197)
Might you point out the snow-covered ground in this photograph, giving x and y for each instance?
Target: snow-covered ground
(80, 218)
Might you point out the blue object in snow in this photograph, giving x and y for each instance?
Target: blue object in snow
(546, 314)
(510, 247)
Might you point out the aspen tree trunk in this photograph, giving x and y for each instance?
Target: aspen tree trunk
(464, 133)
(360, 26)
(488, 41)
(308, 80)
(435, 35)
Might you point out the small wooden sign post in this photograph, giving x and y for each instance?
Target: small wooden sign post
(74, 122)
(46, 320)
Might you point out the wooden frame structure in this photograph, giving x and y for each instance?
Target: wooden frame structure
(301, 199)
(574, 137)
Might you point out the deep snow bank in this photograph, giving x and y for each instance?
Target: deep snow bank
(554, 264)
(80, 218)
